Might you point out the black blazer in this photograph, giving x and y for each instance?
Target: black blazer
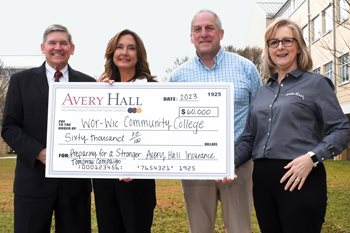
(24, 129)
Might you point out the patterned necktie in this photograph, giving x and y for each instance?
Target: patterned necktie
(57, 76)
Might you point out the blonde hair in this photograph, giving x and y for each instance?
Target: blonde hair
(304, 60)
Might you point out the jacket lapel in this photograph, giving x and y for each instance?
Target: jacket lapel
(72, 75)
(40, 79)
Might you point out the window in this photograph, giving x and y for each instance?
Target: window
(328, 70)
(293, 4)
(306, 34)
(317, 70)
(316, 28)
(343, 10)
(291, 7)
(344, 68)
(327, 18)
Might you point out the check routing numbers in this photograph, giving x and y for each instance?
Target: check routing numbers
(140, 133)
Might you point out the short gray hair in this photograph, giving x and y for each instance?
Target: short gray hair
(217, 19)
(57, 28)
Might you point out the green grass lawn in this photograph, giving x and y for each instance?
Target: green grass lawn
(170, 215)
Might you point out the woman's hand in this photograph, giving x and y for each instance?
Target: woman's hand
(127, 180)
(105, 79)
(299, 170)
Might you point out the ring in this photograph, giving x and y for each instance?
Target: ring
(297, 179)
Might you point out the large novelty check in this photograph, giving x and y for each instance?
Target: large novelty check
(133, 130)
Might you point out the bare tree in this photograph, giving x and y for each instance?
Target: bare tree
(4, 82)
(177, 63)
(251, 53)
(340, 36)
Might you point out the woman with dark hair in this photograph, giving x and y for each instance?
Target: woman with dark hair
(125, 205)
(126, 59)
(295, 123)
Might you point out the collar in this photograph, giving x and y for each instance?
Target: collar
(295, 74)
(217, 59)
(51, 71)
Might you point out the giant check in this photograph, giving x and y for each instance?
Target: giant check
(133, 130)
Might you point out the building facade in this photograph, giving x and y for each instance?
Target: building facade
(326, 30)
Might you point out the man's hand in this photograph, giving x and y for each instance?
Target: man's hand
(226, 180)
(42, 156)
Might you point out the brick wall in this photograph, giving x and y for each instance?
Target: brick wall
(4, 148)
(345, 155)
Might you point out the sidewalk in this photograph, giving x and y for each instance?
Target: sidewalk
(9, 157)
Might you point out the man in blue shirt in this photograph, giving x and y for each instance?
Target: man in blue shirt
(213, 64)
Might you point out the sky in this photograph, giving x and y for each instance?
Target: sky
(163, 25)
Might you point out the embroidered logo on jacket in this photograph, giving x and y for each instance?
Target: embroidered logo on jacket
(296, 94)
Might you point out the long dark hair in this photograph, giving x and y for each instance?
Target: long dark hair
(141, 69)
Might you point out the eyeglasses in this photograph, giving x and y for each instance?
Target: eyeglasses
(286, 42)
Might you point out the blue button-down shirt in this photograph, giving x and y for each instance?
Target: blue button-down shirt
(228, 67)
(290, 118)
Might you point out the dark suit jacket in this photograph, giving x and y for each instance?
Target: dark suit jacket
(24, 128)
